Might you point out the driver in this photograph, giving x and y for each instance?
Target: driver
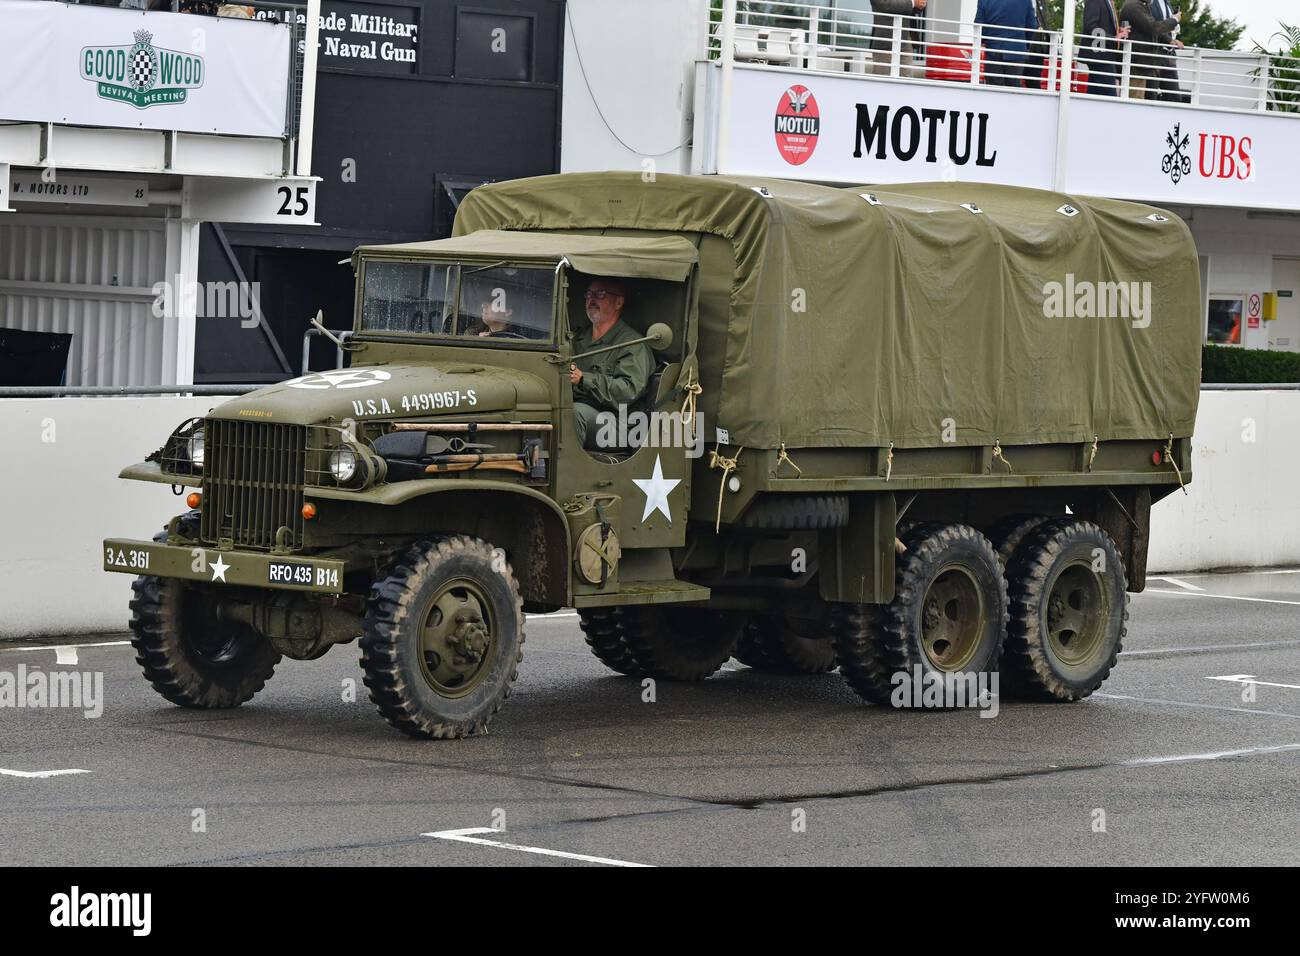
(601, 383)
(495, 322)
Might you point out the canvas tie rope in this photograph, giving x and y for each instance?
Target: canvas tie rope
(1092, 455)
(998, 456)
(783, 456)
(693, 390)
(889, 462)
(728, 465)
(1169, 457)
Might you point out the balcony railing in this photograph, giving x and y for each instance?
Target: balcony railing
(822, 38)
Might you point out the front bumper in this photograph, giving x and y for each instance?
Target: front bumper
(208, 566)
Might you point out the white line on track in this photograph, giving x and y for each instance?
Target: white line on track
(467, 836)
(1183, 703)
(1218, 755)
(1251, 679)
(59, 649)
(1179, 583)
(42, 774)
(1249, 645)
(1224, 597)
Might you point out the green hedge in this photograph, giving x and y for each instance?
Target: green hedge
(1224, 364)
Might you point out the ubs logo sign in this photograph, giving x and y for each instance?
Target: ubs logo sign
(1176, 163)
(798, 125)
(1220, 156)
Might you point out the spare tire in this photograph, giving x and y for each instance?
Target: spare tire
(779, 512)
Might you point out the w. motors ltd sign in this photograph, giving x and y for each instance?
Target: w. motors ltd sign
(142, 74)
(98, 66)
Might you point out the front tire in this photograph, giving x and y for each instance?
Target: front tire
(442, 638)
(1068, 612)
(189, 656)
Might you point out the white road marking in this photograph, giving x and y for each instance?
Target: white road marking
(1183, 703)
(39, 773)
(58, 648)
(466, 836)
(1250, 679)
(1210, 647)
(1178, 582)
(1218, 755)
(1225, 597)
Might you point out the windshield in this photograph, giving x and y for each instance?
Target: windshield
(486, 304)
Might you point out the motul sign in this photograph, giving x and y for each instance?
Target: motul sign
(798, 125)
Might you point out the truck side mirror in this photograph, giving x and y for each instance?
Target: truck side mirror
(659, 336)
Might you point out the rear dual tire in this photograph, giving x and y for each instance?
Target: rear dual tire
(1068, 612)
(948, 616)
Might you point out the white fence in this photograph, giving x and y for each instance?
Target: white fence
(823, 38)
(61, 497)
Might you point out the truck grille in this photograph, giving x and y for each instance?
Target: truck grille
(253, 478)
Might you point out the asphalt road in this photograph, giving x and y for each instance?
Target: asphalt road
(721, 772)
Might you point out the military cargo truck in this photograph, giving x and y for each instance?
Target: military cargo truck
(915, 428)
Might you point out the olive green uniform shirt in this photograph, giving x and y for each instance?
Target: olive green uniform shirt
(613, 378)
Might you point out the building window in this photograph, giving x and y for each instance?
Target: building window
(1225, 319)
(494, 46)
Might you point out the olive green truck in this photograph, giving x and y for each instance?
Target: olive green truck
(894, 430)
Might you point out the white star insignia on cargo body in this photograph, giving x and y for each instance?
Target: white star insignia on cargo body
(656, 489)
(219, 569)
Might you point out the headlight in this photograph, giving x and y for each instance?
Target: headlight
(194, 448)
(343, 464)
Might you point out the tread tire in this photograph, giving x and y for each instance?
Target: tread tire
(874, 644)
(786, 512)
(1030, 668)
(390, 645)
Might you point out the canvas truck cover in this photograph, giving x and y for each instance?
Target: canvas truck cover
(870, 315)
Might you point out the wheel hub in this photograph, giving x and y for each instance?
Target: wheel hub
(952, 620)
(456, 639)
(1077, 611)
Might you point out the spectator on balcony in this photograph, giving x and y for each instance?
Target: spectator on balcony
(1006, 38)
(1166, 62)
(1147, 31)
(1101, 51)
(884, 13)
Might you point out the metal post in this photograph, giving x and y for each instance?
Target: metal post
(307, 109)
(1198, 65)
(1063, 104)
(1126, 71)
(1265, 78)
(977, 54)
(813, 61)
(896, 52)
(728, 57)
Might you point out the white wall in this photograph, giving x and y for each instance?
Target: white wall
(59, 499)
(1243, 505)
(628, 83)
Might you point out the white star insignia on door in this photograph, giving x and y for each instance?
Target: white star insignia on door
(219, 569)
(657, 488)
